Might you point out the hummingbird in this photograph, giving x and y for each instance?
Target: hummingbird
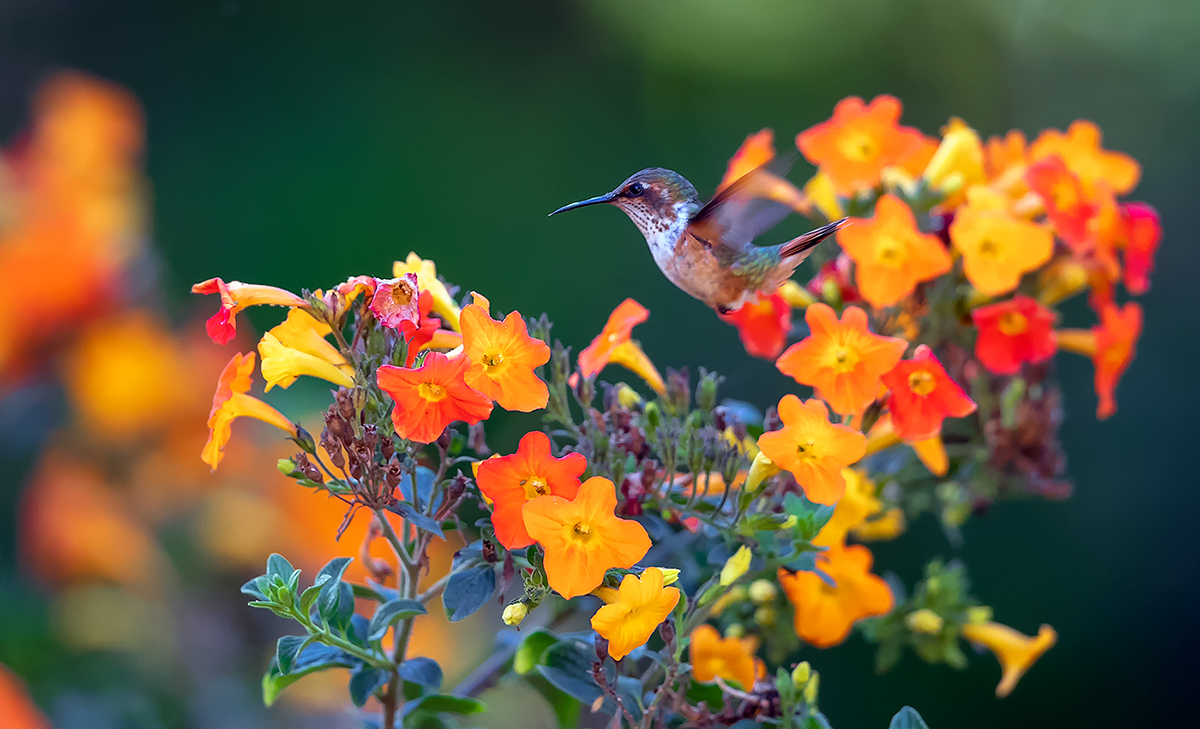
(707, 250)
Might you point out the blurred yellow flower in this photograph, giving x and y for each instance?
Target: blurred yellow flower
(1016, 652)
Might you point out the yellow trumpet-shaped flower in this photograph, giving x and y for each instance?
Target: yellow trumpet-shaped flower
(820, 191)
(855, 507)
(298, 347)
(1015, 651)
(231, 402)
(427, 280)
(959, 156)
(641, 604)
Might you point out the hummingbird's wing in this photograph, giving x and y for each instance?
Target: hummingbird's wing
(751, 205)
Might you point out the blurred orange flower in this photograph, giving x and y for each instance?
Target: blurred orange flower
(1067, 205)
(231, 402)
(1016, 652)
(854, 146)
(615, 344)
(1005, 157)
(922, 395)
(17, 710)
(431, 397)
(712, 656)
(813, 449)
(236, 296)
(843, 360)
(641, 604)
(1012, 333)
(1080, 149)
(756, 151)
(763, 325)
(891, 256)
(512, 481)
(1111, 344)
(583, 537)
(825, 614)
(503, 358)
(997, 247)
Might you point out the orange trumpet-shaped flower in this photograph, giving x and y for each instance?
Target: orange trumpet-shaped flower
(583, 538)
(614, 344)
(923, 395)
(1016, 652)
(763, 325)
(395, 301)
(1111, 344)
(756, 151)
(843, 360)
(1012, 333)
(1142, 235)
(1067, 205)
(503, 357)
(235, 296)
(854, 146)
(298, 347)
(712, 656)
(997, 247)
(891, 256)
(813, 449)
(1080, 149)
(431, 397)
(231, 402)
(512, 481)
(824, 614)
(641, 604)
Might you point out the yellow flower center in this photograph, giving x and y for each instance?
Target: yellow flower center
(807, 449)
(431, 391)
(493, 359)
(921, 383)
(844, 359)
(889, 252)
(402, 293)
(1012, 323)
(858, 146)
(1064, 195)
(989, 247)
(582, 533)
(535, 486)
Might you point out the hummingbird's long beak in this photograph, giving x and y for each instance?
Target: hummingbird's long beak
(607, 197)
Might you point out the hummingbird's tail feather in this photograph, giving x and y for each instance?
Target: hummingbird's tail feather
(804, 243)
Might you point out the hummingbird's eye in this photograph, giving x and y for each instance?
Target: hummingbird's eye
(635, 189)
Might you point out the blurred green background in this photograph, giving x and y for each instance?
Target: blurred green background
(298, 143)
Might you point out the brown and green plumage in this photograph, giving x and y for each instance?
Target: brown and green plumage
(707, 249)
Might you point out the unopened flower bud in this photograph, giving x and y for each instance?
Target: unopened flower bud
(811, 688)
(924, 621)
(762, 591)
(670, 575)
(706, 391)
(627, 397)
(801, 674)
(765, 616)
(979, 614)
(736, 566)
(735, 630)
(514, 614)
(790, 522)
(653, 418)
(287, 467)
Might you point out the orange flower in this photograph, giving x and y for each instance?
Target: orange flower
(1142, 235)
(813, 449)
(17, 710)
(641, 604)
(231, 402)
(857, 504)
(756, 151)
(236, 296)
(842, 360)
(583, 538)
(512, 481)
(1004, 158)
(1080, 149)
(1067, 206)
(997, 247)
(503, 357)
(712, 656)
(1111, 344)
(395, 301)
(1016, 652)
(891, 256)
(1012, 333)
(614, 344)
(854, 146)
(824, 614)
(763, 325)
(923, 395)
(431, 397)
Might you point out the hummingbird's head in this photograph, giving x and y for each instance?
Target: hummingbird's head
(654, 199)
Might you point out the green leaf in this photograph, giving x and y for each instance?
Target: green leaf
(286, 650)
(256, 589)
(566, 709)
(328, 597)
(422, 671)
(314, 658)
(278, 565)
(568, 665)
(468, 590)
(529, 653)
(444, 704)
(908, 718)
(389, 613)
(416, 518)
(309, 596)
(709, 692)
(366, 681)
(630, 691)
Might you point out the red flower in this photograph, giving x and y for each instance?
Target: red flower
(395, 301)
(1013, 332)
(431, 397)
(923, 395)
(1111, 344)
(763, 326)
(1067, 206)
(513, 481)
(1142, 234)
(235, 296)
(835, 278)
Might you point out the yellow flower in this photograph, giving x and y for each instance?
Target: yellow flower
(924, 621)
(729, 658)
(642, 604)
(820, 191)
(734, 595)
(854, 508)
(795, 295)
(1016, 652)
(997, 247)
(957, 163)
(932, 452)
(889, 525)
(298, 347)
(761, 469)
(735, 566)
(427, 280)
(231, 402)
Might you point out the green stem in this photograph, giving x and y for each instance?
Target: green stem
(325, 636)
